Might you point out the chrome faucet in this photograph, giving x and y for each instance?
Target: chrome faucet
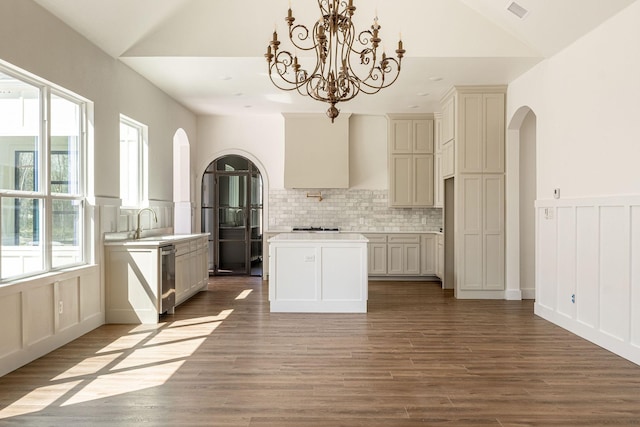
(138, 233)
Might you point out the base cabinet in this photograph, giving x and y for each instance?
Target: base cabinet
(132, 284)
(133, 277)
(440, 256)
(428, 254)
(377, 254)
(191, 268)
(401, 254)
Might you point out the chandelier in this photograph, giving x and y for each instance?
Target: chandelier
(334, 78)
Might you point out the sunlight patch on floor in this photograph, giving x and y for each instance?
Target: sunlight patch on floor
(244, 294)
(38, 399)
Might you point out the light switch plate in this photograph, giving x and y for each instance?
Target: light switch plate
(556, 193)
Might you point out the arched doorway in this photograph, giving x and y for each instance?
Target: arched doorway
(232, 212)
(521, 196)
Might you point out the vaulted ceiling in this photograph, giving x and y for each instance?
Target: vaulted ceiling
(208, 54)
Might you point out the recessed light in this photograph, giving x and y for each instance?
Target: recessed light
(238, 94)
(424, 94)
(435, 79)
(248, 106)
(413, 107)
(225, 77)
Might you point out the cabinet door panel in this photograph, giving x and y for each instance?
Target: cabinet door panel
(448, 120)
(401, 136)
(493, 262)
(401, 182)
(493, 203)
(448, 159)
(423, 136)
(411, 252)
(377, 258)
(493, 133)
(471, 203)
(438, 185)
(428, 254)
(471, 133)
(471, 262)
(423, 180)
(395, 259)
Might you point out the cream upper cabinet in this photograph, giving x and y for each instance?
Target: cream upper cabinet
(480, 139)
(438, 180)
(448, 120)
(411, 150)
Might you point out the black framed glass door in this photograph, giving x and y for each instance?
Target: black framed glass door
(232, 214)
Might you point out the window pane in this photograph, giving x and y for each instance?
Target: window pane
(65, 137)
(232, 163)
(67, 238)
(21, 237)
(19, 129)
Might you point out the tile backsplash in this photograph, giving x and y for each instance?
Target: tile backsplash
(351, 210)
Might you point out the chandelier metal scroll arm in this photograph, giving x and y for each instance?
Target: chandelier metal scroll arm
(333, 79)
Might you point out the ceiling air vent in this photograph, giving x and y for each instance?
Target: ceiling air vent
(517, 10)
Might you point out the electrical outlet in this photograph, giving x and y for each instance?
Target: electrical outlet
(60, 307)
(309, 258)
(548, 213)
(573, 298)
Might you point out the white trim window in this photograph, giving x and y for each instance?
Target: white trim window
(133, 163)
(42, 178)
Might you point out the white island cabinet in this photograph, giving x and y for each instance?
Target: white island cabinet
(318, 273)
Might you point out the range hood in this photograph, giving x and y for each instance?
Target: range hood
(316, 151)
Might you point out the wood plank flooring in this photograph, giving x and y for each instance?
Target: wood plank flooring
(418, 357)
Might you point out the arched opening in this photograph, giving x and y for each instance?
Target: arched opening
(232, 214)
(521, 196)
(183, 212)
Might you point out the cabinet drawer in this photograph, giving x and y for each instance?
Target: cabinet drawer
(376, 238)
(403, 238)
(182, 248)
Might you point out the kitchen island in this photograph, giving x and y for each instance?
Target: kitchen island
(318, 273)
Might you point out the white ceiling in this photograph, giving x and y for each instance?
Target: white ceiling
(208, 54)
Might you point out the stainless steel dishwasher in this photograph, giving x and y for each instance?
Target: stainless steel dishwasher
(167, 279)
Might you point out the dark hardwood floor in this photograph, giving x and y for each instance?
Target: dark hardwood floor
(419, 357)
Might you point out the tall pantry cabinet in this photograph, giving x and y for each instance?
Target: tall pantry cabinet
(473, 128)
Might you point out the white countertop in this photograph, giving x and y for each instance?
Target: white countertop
(155, 240)
(319, 237)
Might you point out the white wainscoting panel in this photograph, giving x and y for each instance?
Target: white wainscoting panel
(68, 303)
(635, 276)
(588, 269)
(614, 271)
(10, 311)
(566, 261)
(39, 319)
(546, 259)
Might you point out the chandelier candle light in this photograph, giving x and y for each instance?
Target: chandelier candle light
(333, 78)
